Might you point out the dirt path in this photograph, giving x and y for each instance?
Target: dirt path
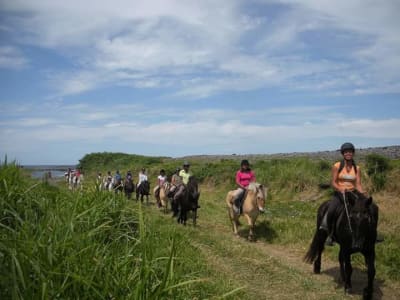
(268, 271)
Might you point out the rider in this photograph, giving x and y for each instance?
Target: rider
(142, 176)
(117, 179)
(160, 181)
(108, 180)
(243, 178)
(346, 178)
(185, 173)
(176, 184)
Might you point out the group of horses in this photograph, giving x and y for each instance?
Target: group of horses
(126, 186)
(74, 179)
(181, 206)
(185, 203)
(355, 231)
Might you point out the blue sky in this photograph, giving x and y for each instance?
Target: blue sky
(176, 78)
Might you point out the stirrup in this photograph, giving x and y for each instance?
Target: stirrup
(236, 210)
(329, 241)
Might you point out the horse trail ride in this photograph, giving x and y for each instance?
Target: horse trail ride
(355, 229)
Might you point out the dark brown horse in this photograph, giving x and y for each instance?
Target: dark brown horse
(189, 201)
(143, 189)
(355, 231)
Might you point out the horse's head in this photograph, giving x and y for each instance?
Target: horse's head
(361, 220)
(193, 190)
(260, 194)
(166, 186)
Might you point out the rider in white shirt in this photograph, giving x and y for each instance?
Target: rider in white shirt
(142, 176)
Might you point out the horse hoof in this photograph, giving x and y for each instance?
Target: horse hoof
(317, 271)
(348, 290)
(367, 294)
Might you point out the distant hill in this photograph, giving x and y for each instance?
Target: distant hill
(391, 152)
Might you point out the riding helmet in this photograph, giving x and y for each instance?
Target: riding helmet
(244, 162)
(347, 146)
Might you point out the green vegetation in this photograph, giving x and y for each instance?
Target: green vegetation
(377, 168)
(89, 244)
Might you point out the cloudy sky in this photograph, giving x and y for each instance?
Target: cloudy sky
(175, 78)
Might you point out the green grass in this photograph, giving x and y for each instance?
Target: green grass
(59, 244)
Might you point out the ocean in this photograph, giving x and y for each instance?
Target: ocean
(56, 171)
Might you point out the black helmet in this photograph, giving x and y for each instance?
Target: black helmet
(244, 162)
(347, 146)
(186, 164)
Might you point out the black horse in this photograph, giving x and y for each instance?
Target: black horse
(189, 201)
(118, 186)
(355, 231)
(143, 190)
(129, 187)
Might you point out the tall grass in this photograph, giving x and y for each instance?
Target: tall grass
(90, 245)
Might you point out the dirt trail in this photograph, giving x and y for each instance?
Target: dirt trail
(278, 271)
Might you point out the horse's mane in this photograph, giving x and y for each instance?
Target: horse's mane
(254, 186)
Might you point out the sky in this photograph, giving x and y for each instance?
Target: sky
(176, 78)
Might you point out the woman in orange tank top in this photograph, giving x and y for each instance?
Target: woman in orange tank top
(346, 175)
(346, 178)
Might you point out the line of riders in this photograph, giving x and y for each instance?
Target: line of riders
(175, 189)
(339, 219)
(73, 178)
(346, 182)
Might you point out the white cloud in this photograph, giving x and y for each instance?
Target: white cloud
(12, 58)
(200, 48)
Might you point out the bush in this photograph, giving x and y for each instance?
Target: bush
(377, 167)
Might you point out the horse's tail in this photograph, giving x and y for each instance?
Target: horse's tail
(317, 246)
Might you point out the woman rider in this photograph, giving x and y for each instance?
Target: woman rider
(346, 178)
(243, 178)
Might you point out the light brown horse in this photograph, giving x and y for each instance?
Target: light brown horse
(253, 205)
(163, 195)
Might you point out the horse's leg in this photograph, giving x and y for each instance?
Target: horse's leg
(370, 262)
(341, 264)
(194, 216)
(346, 269)
(250, 221)
(234, 220)
(317, 263)
(184, 216)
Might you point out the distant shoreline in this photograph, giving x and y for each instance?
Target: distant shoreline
(48, 167)
(391, 152)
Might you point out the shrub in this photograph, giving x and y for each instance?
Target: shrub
(377, 167)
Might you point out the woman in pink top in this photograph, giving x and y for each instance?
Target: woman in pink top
(243, 178)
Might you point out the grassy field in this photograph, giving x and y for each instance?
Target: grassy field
(58, 244)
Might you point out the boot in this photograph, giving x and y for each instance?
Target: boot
(329, 241)
(236, 206)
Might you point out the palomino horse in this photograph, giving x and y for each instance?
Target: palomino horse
(163, 195)
(253, 204)
(355, 231)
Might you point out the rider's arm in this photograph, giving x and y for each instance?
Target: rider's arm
(253, 177)
(238, 180)
(335, 174)
(358, 181)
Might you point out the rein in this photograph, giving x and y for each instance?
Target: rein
(347, 212)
